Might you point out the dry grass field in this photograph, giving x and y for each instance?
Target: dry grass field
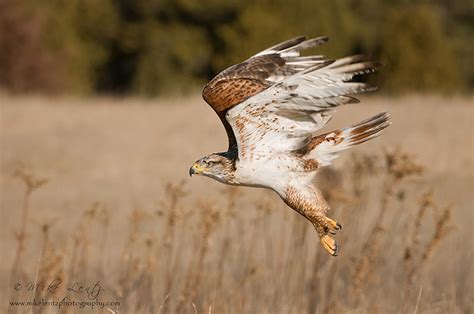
(97, 208)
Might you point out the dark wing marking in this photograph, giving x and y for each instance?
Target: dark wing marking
(283, 116)
(241, 81)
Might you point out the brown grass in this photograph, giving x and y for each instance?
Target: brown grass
(108, 213)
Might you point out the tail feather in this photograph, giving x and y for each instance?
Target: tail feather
(368, 129)
(324, 148)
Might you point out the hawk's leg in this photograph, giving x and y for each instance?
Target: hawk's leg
(311, 204)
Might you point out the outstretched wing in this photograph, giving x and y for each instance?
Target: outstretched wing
(283, 116)
(265, 69)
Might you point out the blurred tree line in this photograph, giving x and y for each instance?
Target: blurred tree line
(154, 47)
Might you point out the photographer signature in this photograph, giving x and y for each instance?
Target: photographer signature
(92, 292)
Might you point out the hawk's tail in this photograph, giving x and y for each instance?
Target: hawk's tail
(324, 148)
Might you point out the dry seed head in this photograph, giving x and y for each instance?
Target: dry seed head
(425, 203)
(443, 227)
(174, 192)
(176, 189)
(400, 165)
(210, 217)
(29, 179)
(91, 211)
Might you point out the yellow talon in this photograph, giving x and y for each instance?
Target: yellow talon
(333, 224)
(330, 245)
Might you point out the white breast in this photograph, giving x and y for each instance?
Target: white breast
(274, 172)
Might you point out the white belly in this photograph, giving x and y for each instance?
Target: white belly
(273, 173)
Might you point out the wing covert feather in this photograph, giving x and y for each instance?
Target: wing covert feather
(274, 99)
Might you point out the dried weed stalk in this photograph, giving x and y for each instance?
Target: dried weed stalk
(415, 255)
(32, 183)
(232, 259)
(397, 167)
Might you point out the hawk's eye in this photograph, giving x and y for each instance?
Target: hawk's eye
(208, 162)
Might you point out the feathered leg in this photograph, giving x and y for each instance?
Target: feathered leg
(313, 207)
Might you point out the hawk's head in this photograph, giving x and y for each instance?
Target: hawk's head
(216, 166)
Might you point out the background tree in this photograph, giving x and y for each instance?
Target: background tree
(161, 46)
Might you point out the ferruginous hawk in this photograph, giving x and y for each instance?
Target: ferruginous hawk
(271, 105)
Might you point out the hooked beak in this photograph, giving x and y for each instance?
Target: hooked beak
(195, 169)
